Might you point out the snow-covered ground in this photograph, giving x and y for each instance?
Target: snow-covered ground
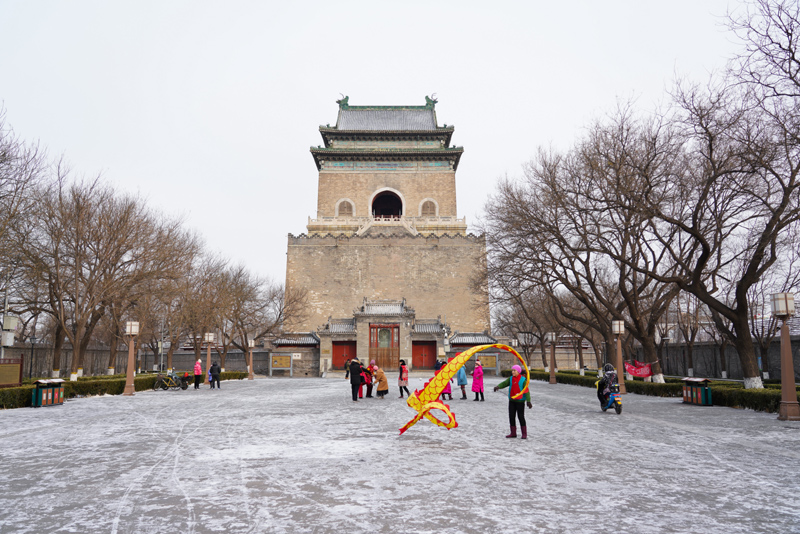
(297, 455)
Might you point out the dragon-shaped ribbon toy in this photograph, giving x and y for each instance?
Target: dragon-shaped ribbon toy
(428, 399)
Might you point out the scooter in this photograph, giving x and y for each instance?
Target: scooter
(614, 400)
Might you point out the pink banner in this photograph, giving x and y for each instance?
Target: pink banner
(641, 370)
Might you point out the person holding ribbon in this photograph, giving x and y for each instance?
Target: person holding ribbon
(516, 401)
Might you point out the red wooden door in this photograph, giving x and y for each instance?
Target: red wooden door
(343, 351)
(423, 354)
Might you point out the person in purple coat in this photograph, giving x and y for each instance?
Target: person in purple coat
(477, 380)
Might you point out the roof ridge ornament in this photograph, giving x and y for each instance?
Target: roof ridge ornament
(430, 101)
(344, 102)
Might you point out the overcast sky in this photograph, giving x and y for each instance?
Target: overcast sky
(208, 109)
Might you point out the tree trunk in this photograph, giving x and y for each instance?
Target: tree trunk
(723, 346)
(58, 345)
(544, 355)
(747, 355)
(764, 353)
(650, 355)
(170, 350)
(598, 357)
(112, 350)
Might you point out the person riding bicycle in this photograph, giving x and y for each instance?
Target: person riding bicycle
(606, 381)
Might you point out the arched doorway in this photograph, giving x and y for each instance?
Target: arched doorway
(387, 204)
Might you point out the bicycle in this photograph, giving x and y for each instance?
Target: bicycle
(170, 381)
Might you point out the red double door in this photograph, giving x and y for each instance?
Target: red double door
(343, 351)
(423, 354)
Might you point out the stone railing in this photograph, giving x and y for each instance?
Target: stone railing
(359, 225)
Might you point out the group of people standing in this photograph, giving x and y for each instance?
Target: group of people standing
(372, 377)
(369, 377)
(213, 374)
(461, 381)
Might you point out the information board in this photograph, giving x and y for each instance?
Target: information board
(10, 372)
(280, 361)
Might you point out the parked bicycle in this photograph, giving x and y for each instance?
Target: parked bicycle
(171, 381)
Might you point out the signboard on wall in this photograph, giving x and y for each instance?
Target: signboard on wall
(281, 361)
(489, 361)
(10, 372)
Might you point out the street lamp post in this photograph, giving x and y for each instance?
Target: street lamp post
(250, 344)
(209, 339)
(551, 337)
(618, 328)
(131, 330)
(783, 307)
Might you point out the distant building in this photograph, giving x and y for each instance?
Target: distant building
(387, 264)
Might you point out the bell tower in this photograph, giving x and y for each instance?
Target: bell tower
(387, 264)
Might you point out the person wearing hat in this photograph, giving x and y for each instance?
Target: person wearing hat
(516, 407)
(355, 377)
(477, 380)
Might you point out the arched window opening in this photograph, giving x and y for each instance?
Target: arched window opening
(428, 209)
(386, 205)
(345, 209)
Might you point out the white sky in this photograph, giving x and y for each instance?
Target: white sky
(208, 109)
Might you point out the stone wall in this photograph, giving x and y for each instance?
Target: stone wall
(412, 187)
(431, 273)
(96, 361)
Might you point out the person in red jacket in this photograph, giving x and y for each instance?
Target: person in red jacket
(402, 380)
(198, 374)
(366, 372)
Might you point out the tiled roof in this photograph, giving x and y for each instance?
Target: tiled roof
(383, 308)
(472, 339)
(386, 119)
(428, 328)
(342, 326)
(297, 339)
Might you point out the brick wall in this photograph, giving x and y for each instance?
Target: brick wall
(412, 186)
(431, 273)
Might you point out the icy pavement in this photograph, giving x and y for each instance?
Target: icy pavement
(297, 455)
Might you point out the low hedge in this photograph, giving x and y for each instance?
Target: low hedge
(21, 397)
(731, 394)
(760, 400)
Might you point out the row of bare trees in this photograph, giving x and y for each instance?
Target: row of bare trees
(697, 202)
(79, 258)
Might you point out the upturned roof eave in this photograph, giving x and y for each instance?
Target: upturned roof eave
(330, 132)
(387, 153)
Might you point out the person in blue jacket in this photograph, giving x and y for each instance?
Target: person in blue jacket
(516, 407)
(461, 380)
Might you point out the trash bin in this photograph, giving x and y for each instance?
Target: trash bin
(696, 391)
(48, 392)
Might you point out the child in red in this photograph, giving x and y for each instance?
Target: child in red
(446, 391)
(402, 380)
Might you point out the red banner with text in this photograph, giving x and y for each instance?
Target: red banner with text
(639, 369)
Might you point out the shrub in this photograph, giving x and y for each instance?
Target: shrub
(760, 400)
(730, 394)
(654, 389)
(17, 397)
(236, 375)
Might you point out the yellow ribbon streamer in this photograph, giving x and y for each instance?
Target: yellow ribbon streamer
(428, 399)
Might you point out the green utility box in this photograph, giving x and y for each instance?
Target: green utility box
(696, 391)
(48, 392)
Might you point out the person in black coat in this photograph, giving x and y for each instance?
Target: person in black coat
(215, 370)
(355, 377)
